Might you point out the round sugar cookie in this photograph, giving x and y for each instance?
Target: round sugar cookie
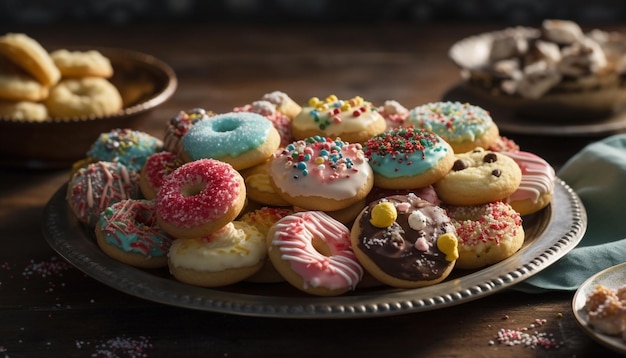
(28, 54)
(479, 177)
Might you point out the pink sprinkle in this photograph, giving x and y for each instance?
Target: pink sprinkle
(523, 336)
(46, 268)
(123, 346)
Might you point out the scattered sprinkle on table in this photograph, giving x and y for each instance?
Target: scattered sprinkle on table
(527, 336)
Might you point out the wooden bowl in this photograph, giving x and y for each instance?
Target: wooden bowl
(144, 83)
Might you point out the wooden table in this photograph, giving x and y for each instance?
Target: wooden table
(49, 308)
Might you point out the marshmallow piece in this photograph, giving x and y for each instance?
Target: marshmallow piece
(538, 79)
(582, 58)
(562, 32)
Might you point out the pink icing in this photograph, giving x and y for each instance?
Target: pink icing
(537, 176)
(217, 187)
(158, 166)
(293, 237)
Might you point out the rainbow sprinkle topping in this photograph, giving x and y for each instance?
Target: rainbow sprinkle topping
(329, 111)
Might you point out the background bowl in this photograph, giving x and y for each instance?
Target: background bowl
(560, 105)
(144, 83)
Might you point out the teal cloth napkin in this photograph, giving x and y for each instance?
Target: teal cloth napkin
(598, 175)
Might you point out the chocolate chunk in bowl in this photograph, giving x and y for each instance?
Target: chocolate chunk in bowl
(144, 82)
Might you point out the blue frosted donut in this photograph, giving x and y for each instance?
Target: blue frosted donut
(126, 146)
(242, 139)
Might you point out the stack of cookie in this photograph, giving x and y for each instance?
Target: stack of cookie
(36, 85)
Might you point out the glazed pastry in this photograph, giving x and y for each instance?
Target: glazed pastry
(241, 139)
(537, 185)
(394, 113)
(462, 125)
(263, 219)
(259, 187)
(199, 198)
(284, 104)
(405, 242)
(227, 256)
(178, 126)
(97, 186)
(312, 252)
(407, 158)
(321, 174)
(606, 310)
(354, 120)
(126, 146)
(157, 167)
(267, 109)
(487, 233)
(128, 232)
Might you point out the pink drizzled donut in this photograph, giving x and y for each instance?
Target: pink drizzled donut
(280, 121)
(537, 184)
(97, 186)
(157, 167)
(314, 253)
(199, 198)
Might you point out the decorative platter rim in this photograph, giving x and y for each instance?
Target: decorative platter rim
(562, 230)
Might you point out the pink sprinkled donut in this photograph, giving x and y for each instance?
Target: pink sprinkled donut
(157, 167)
(313, 252)
(199, 198)
(488, 233)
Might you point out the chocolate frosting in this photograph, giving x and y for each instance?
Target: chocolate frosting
(394, 250)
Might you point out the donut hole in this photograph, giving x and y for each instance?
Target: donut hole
(225, 126)
(143, 218)
(192, 189)
(320, 246)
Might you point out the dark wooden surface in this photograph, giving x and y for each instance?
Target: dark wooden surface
(48, 308)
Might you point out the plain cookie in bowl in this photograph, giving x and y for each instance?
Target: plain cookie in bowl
(23, 110)
(87, 96)
(28, 53)
(89, 63)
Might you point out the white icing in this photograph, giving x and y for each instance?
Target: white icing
(236, 245)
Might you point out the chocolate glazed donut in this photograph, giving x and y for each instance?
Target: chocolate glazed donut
(416, 249)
